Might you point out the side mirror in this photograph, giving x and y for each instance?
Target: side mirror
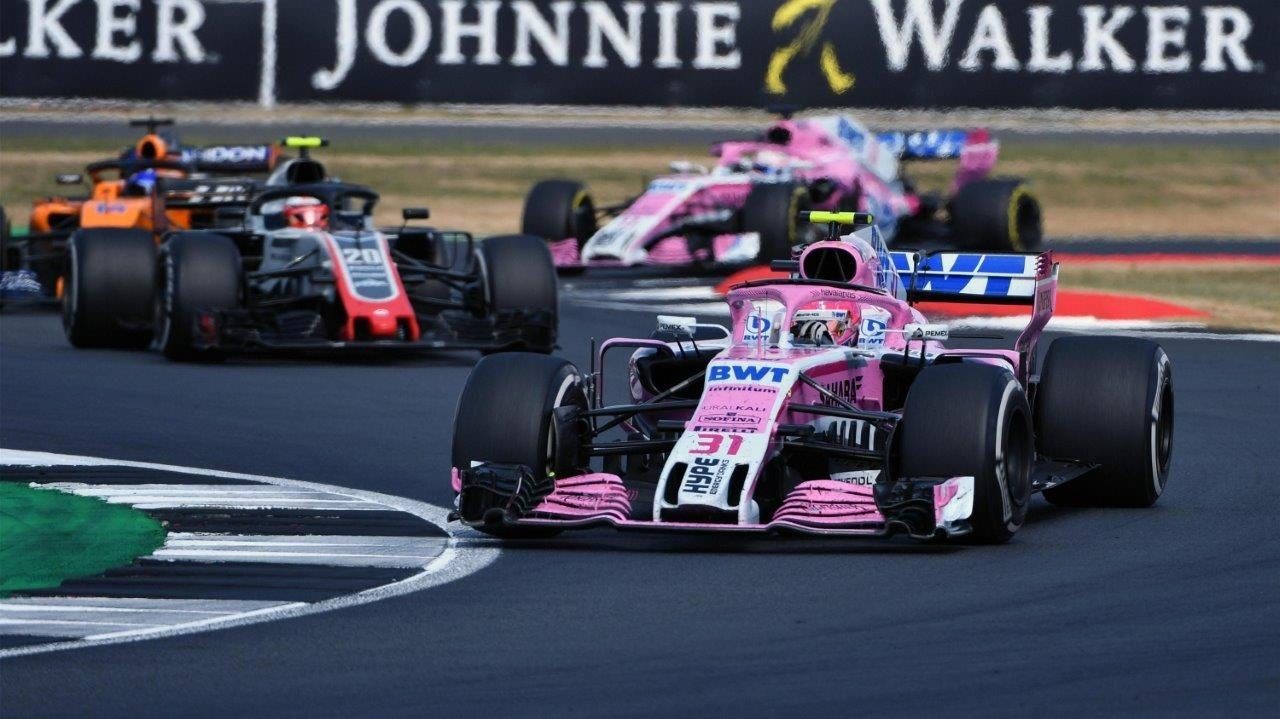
(71, 178)
(415, 213)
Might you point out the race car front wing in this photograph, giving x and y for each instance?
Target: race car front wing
(512, 496)
(255, 331)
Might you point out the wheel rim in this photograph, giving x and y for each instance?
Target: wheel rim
(72, 295)
(1164, 430)
(1017, 462)
(1026, 222)
(562, 397)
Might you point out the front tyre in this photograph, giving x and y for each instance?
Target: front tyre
(108, 299)
(972, 420)
(557, 210)
(195, 273)
(1107, 401)
(773, 211)
(505, 416)
(518, 276)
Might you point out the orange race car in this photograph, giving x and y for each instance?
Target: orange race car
(154, 186)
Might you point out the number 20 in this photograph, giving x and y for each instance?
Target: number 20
(368, 256)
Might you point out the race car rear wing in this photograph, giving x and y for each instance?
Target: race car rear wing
(931, 144)
(211, 193)
(231, 158)
(978, 278)
(985, 278)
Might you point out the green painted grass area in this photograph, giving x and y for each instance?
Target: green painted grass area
(47, 536)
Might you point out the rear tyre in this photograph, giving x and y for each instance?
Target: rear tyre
(5, 231)
(559, 209)
(972, 420)
(518, 275)
(4, 248)
(996, 215)
(1107, 401)
(772, 209)
(195, 273)
(504, 416)
(109, 292)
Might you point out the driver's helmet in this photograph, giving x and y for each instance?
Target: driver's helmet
(771, 163)
(826, 323)
(141, 183)
(306, 213)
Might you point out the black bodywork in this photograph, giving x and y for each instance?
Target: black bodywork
(294, 304)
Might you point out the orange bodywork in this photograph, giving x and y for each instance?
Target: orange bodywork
(109, 207)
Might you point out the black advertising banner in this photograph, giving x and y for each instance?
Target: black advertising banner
(1148, 54)
(137, 49)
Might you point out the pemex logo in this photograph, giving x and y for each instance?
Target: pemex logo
(805, 21)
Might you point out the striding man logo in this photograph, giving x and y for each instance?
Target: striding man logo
(806, 19)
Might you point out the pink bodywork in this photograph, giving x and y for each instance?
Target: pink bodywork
(759, 408)
(821, 506)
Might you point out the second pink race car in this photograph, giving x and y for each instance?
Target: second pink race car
(744, 208)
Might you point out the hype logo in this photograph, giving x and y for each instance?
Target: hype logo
(791, 13)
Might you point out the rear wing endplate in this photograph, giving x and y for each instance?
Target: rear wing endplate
(977, 278)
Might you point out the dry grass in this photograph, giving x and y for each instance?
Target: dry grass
(1236, 295)
(1123, 191)
(1091, 189)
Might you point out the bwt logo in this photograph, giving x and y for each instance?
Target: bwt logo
(1177, 39)
(746, 373)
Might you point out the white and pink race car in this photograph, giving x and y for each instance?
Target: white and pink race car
(830, 407)
(744, 209)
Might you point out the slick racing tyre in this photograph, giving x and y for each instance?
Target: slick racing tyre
(109, 293)
(556, 210)
(972, 420)
(4, 248)
(772, 209)
(505, 416)
(1107, 401)
(996, 216)
(518, 275)
(5, 230)
(196, 272)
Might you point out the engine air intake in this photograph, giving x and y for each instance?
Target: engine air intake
(829, 262)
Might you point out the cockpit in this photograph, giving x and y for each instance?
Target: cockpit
(324, 206)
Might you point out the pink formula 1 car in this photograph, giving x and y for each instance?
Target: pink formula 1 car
(745, 208)
(830, 407)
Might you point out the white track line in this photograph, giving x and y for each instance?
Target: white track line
(455, 562)
(345, 551)
(159, 496)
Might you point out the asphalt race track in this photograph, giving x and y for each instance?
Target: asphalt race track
(1171, 610)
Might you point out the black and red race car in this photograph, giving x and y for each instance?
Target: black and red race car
(308, 270)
